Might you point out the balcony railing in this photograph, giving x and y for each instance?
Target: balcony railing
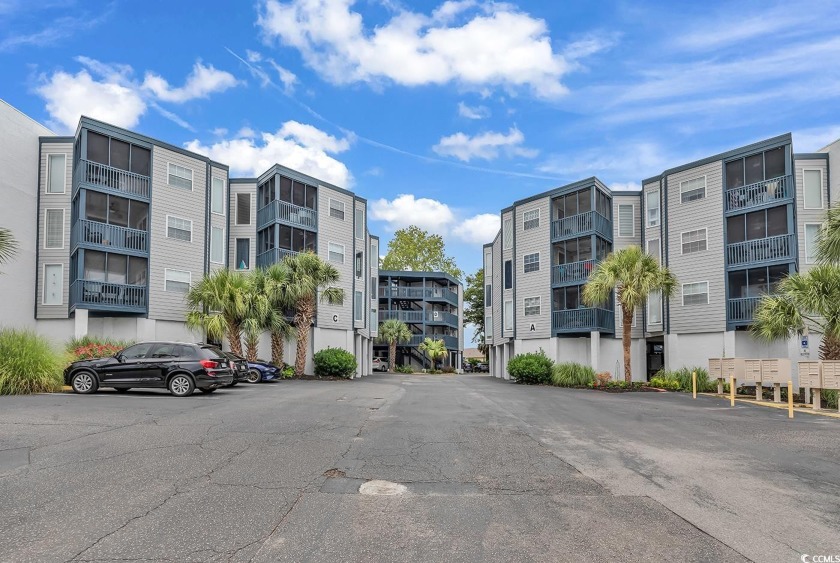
(109, 237)
(742, 309)
(272, 256)
(88, 294)
(583, 320)
(759, 193)
(111, 178)
(419, 317)
(574, 272)
(287, 213)
(576, 225)
(438, 293)
(780, 247)
(428, 293)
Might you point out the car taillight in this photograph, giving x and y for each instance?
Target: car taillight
(209, 364)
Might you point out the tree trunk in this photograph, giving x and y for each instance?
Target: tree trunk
(234, 337)
(625, 341)
(830, 348)
(252, 344)
(277, 349)
(392, 356)
(303, 321)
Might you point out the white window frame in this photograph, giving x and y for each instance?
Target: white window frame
(822, 197)
(488, 326)
(44, 284)
(178, 239)
(331, 251)
(805, 237)
(221, 196)
(648, 208)
(661, 315)
(360, 225)
(524, 264)
(619, 315)
(166, 278)
(508, 318)
(632, 220)
(359, 303)
(169, 173)
(343, 209)
(236, 212)
(708, 296)
(488, 265)
(235, 247)
(525, 220)
(705, 189)
(507, 234)
(538, 306)
(63, 176)
(658, 246)
(47, 224)
(222, 252)
(682, 243)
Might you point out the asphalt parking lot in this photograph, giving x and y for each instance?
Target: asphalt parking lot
(413, 468)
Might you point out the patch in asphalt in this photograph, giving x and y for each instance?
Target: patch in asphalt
(382, 488)
(14, 458)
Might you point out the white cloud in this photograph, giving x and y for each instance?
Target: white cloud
(201, 82)
(286, 76)
(486, 146)
(815, 138)
(470, 112)
(625, 186)
(479, 229)
(631, 159)
(464, 42)
(295, 145)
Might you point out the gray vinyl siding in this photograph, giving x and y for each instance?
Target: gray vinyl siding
(704, 266)
(497, 290)
(803, 215)
(170, 253)
(55, 255)
(217, 220)
(361, 283)
(620, 242)
(242, 231)
(652, 233)
(533, 284)
(507, 294)
(488, 278)
(336, 231)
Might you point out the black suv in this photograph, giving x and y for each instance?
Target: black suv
(176, 366)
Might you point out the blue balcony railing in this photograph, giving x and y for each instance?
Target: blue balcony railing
(759, 193)
(581, 224)
(428, 293)
(99, 295)
(272, 256)
(742, 309)
(108, 237)
(780, 247)
(112, 179)
(583, 320)
(286, 212)
(574, 272)
(415, 317)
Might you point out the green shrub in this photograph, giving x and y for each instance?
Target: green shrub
(683, 378)
(335, 362)
(29, 363)
(829, 398)
(570, 374)
(287, 372)
(89, 347)
(617, 384)
(404, 369)
(532, 368)
(664, 383)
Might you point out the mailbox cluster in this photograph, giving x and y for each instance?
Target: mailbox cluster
(757, 372)
(824, 374)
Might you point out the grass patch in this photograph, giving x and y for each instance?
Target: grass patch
(29, 363)
(570, 374)
(680, 380)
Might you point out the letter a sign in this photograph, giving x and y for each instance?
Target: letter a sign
(533, 327)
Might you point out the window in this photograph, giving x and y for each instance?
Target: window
(655, 249)
(177, 281)
(488, 299)
(574, 203)
(812, 230)
(757, 224)
(755, 168)
(360, 223)
(337, 209)
(532, 306)
(243, 254)
(692, 190)
(508, 274)
(488, 326)
(812, 188)
(177, 228)
(358, 302)
(373, 286)
(336, 253)
(531, 219)
(374, 321)
(359, 264)
(619, 315)
(507, 234)
(625, 220)
(694, 241)
(756, 282)
(180, 177)
(217, 196)
(53, 284)
(217, 245)
(488, 266)
(532, 262)
(508, 315)
(137, 351)
(54, 228)
(652, 208)
(56, 174)
(243, 209)
(695, 293)
(654, 308)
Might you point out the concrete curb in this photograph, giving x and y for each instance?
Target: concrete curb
(799, 407)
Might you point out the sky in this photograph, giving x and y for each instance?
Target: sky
(440, 114)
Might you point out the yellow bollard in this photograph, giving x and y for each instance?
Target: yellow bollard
(731, 390)
(694, 384)
(790, 399)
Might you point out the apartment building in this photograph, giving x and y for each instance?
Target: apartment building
(729, 226)
(430, 304)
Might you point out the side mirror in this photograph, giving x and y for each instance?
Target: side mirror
(119, 357)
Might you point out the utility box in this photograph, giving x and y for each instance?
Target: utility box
(752, 371)
(810, 375)
(776, 370)
(715, 368)
(830, 374)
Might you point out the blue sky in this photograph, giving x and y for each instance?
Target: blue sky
(439, 113)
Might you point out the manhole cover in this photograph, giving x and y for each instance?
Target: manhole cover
(382, 488)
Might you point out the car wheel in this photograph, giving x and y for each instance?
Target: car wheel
(84, 383)
(207, 390)
(181, 385)
(254, 376)
(123, 389)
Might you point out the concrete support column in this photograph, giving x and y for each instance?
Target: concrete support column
(728, 345)
(357, 350)
(553, 345)
(595, 350)
(672, 351)
(80, 326)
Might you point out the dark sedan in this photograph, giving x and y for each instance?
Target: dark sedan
(180, 368)
(240, 367)
(263, 371)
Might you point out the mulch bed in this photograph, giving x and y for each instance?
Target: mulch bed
(630, 390)
(324, 378)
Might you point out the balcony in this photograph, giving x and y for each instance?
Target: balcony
(583, 320)
(106, 296)
(273, 256)
(572, 273)
(111, 179)
(770, 249)
(760, 193)
(427, 293)
(108, 237)
(287, 213)
(451, 342)
(418, 317)
(441, 294)
(580, 225)
(741, 311)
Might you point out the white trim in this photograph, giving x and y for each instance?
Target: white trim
(361, 302)
(525, 307)
(165, 278)
(661, 310)
(357, 224)
(822, 196)
(524, 220)
(168, 174)
(212, 180)
(44, 285)
(658, 208)
(343, 209)
(343, 251)
(505, 316)
(166, 233)
(223, 245)
(235, 247)
(682, 293)
(539, 262)
(64, 176)
(507, 233)
(236, 209)
(658, 247)
(632, 219)
(805, 239)
(705, 229)
(46, 224)
(705, 188)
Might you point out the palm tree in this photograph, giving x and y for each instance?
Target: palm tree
(272, 283)
(309, 276)
(218, 304)
(828, 240)
(257, 311)
(8, 245)
(434, 349)
(633, 275)
(801, 300)
(391, 332)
